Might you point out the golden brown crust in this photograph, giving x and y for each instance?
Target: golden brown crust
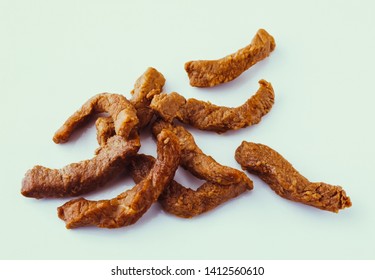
(149, 84)
(209, 73)
(120, 109)
(145, 88)
(223, 183)
(185, 202)
(199, 164)
(82, 177)
(286, 181)
(105, 129)
(207, 116)
(129, 206)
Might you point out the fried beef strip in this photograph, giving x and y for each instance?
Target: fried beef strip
(145, 88)
(223, 183)
(209, 73)
(185, 202)
(82, 177)
(195, 161)
(129, 206)
(105, 128)
(286, 181)
(149, 84)
(207, 116)
(120, 109)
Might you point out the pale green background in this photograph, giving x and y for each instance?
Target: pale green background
(54, 55)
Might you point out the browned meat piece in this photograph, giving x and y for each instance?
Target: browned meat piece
(207, 116)
(129, 206)
(223, 183)
(286, 181)
(105, 129)
(82, 177)
(209, 73)
(145, 88)
(185, 202)
(120, 109)
(199, 164)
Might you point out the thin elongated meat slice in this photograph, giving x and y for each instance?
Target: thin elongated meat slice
(223, 182)
(286, 181)
(82, 177)
(119, 108)
(207, 116)
(185, 202)
(198, 163)
(129, 206)
(149, 84)
(209, 73)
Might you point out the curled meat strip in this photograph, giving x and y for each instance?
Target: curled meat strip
(195, 161)
(145, 88)
(185, 202)
(286, 181)
(105, 129)
(149, 84)
(119, 108)
(82, 177)
(129, 206)
(207, 116)
(209, 73)
(223, 183)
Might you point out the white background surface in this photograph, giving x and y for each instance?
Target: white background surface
(56, 54)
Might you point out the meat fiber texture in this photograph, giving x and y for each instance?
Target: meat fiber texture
(209, 73)
(207, 116)
(129, 206)
(82, 177)
(286, 181)
(223, 182)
